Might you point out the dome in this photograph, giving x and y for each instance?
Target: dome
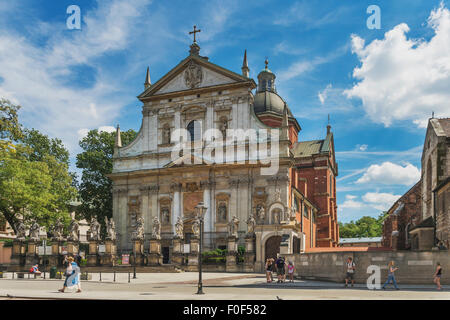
(265, 101)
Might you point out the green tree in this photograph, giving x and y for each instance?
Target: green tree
(364, 227)
(34, 178)
(95, 188)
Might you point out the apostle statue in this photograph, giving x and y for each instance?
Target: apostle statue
(251, 222)
(223, 127)
(196, 227)
(110, 229)
(156, 234)
(261, 213)
(276, 216)
(73, 230)
(34, 231)
(21, 230)
(95, 229)
(138, 233)
(58, 231)
(179, 228)
(233, 226)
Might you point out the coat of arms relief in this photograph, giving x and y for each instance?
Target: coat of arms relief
(193, 75)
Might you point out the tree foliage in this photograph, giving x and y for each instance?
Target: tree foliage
(34, 180)
(95, 188)
(364, 227)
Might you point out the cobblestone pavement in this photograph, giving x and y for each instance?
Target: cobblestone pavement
(217, 286)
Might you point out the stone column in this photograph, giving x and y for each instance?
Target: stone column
(231, 265)
(109, 257)
(206, 202)
(178, 252)
(18, 253)
(193, 255)
(249, 256)
(32, 257)
(55, 257)
(72, 248)
(92, 258)
(154, 256)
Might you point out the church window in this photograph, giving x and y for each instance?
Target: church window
(269, 85)
(165, 215)
(194, 129)
(296, 206)
(222, 212)
(305, 211)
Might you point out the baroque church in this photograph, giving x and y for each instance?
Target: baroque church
(294, 206)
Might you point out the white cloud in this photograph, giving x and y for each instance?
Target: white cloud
(390, 173)
(405, 79)
(322, 95)
(380, 201)
(362, 147)
(84, 132)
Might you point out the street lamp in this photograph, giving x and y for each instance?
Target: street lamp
(134, 267)
(200, 210)
(44, 241)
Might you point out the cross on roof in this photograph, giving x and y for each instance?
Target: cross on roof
(194, 32)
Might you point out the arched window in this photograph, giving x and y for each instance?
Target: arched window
(195, 130)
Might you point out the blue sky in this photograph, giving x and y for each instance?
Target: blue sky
(379, 86)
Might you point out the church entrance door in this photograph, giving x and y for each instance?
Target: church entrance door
(272, 247)
(165, 254)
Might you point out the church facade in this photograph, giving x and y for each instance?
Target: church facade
(214, 136)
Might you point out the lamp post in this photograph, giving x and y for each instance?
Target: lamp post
(201, 209)
(45, 255)
(134, 267)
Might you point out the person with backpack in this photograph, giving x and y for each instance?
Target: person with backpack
(350, 271)
(281, 272)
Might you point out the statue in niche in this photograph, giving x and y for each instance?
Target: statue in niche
(223, 126)
(276, 216)
(156, 234)
(165, 215)
(222, 212)
(179, 228)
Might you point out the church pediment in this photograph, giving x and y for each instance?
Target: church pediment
(192, 73)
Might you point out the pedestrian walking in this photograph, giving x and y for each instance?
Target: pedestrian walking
(437, 276)
(72, 276)
(391, 276)
(351, 266)
(291, 269)
(281, 271)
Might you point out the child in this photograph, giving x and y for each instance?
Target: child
(291, 269)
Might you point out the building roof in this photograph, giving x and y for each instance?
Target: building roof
(427, 223)
(441, 126)
(360, 240)
(308, 148)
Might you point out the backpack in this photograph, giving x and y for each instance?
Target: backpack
(280, 263)
(31, 269)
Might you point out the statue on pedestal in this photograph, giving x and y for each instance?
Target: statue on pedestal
(21, 230)
(138, 233)
(110, 229)
(196, 227)
(73, 230)
(233, 226)
(58, 231)
(34, 231)
(95, 229)
(261, 213)
(179, 228)
(251, 222)
(156, 234)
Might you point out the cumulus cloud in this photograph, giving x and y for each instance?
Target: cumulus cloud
(380, 201)
(390, 173)
(405, 79)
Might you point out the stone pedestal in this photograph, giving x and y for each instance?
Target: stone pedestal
(138, 248)
(231, 265)
(249, 256)
(154, 256)
(178, 252)
(55, 258)
(193, 255)
(109, 257)
(18, 253)
(32, 257)
(72, 248)
(92, 257)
